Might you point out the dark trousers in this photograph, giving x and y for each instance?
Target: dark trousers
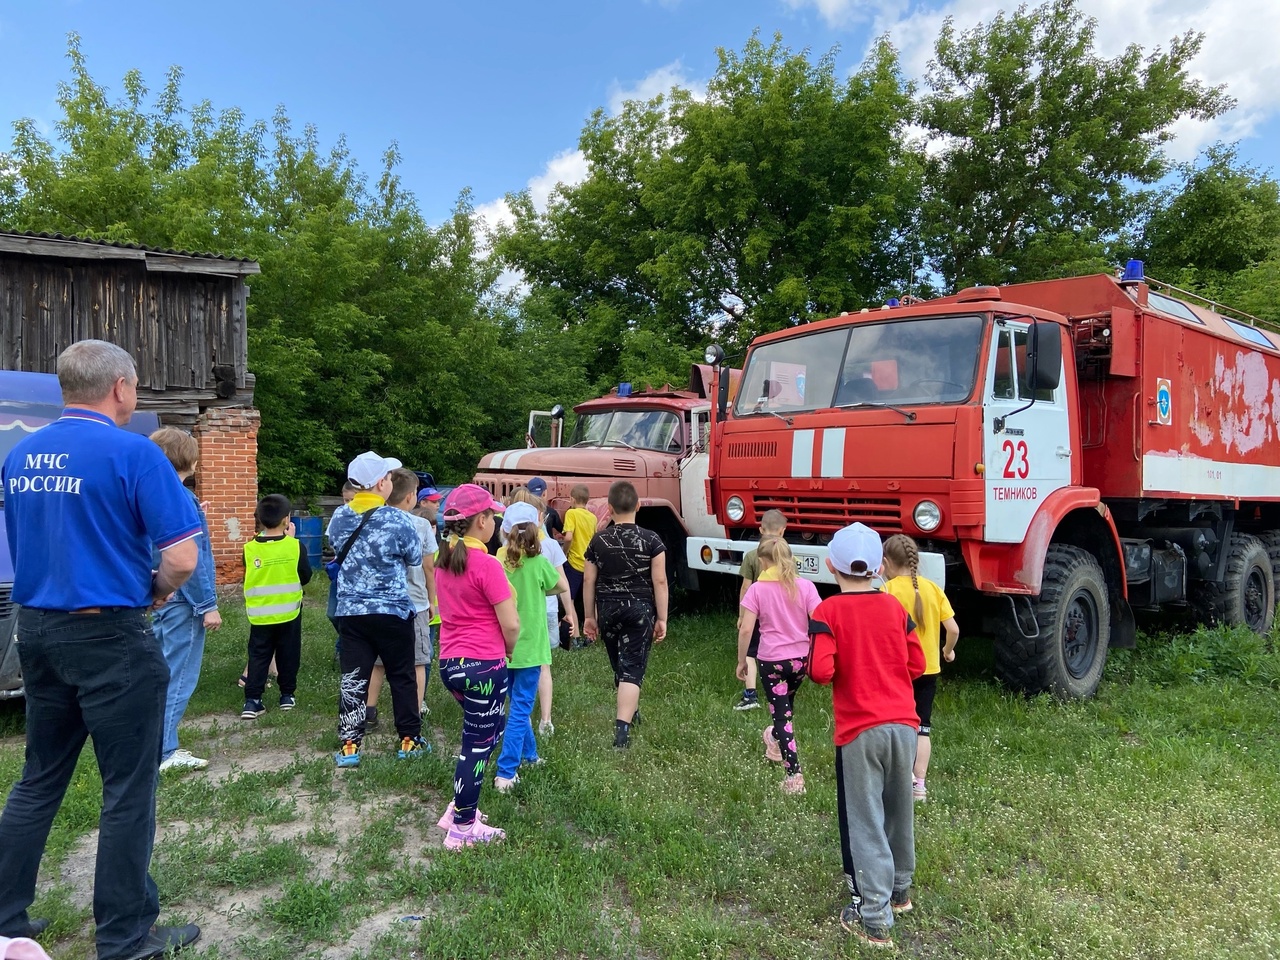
(100, 675)
(282, 641)
(574, 578)
(480, 687)
(364, 639)
(782, 678)
(626, 626)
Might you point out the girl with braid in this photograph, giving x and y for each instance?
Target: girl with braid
(932, 613)
(479, 627)
(781, 603)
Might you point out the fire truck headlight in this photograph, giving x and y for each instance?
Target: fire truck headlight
(927, 516)
(735, 509)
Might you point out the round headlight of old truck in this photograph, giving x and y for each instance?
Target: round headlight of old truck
(735, 509)
(714, 354)
(927, 516)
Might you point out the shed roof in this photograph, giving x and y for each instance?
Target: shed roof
(154, 259)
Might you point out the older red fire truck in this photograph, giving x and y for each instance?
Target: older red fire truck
(1071, 450)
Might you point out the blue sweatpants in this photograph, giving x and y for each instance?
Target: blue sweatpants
(518, 743)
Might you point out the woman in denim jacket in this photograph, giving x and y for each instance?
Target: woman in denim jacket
(181, 623)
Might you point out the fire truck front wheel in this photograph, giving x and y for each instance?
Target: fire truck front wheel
(1073, 617)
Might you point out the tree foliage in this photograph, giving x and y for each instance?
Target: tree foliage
(1039, 139)
(786, 190)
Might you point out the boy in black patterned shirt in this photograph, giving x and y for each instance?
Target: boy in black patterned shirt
(624, 594)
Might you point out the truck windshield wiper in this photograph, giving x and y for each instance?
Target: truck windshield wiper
(909, 414)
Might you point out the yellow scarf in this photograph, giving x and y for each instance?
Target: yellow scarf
(769, 575)
(364, 500)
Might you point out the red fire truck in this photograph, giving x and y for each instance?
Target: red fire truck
(1072, 450)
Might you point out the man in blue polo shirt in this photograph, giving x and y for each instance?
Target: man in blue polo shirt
(85, 502)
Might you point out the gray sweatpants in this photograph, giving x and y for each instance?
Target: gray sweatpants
(877, 817)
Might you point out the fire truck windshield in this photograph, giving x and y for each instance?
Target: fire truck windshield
(637, 429)
(894, 363)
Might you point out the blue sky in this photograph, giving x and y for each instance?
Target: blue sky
(492, 95)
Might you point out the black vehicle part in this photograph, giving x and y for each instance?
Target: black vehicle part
(1073, 613)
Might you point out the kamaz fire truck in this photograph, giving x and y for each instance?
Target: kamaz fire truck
(1070, 450)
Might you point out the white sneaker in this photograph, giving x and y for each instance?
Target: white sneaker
(183, 760)
(504, 785)
(546, 728)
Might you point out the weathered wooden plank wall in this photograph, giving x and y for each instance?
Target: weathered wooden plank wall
(176, 325)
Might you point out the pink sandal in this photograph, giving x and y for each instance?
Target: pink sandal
(771, 750)
(446, 821)
(476, 832)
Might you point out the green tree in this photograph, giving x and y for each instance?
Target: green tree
(1039, 139)
(787, 190)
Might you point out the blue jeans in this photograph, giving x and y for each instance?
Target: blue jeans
(99, 675)
(180, 631)
(518, 742)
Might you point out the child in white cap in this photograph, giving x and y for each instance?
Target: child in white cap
(865, 645)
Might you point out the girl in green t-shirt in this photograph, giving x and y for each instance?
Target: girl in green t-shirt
(533, 579)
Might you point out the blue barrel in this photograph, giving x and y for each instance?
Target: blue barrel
(311, 536)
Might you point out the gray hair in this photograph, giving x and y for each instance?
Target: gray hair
(88, 369)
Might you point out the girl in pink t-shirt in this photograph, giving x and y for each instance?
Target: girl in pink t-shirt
(781, 602)
(478, 629)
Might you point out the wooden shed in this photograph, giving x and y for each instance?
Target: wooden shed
(183, 317)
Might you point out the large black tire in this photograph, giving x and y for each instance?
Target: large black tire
(1271, 540)
(1073, 613)
(1247, 594)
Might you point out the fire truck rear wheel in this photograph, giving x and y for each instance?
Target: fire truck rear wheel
(1247, 594)
(1073, 614)
(1271, 540)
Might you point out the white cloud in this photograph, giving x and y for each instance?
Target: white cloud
(1238, 49)
(659, 81)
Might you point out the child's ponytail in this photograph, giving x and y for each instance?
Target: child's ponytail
(522, 542)
(902, 552)
(776, 552)
(453, 551)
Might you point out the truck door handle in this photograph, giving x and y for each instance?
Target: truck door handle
(1063, 452)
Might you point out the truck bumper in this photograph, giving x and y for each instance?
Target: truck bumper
(718, 555)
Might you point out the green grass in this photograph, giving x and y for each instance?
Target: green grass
(1144, 823)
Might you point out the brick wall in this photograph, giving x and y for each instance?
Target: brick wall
(227, 480)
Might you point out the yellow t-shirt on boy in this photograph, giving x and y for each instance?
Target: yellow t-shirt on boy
(580, 527)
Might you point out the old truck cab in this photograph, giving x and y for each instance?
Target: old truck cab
(656, 438)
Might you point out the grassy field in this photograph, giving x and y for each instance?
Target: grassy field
(1144, 823)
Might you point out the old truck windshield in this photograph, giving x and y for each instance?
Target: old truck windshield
(639, 429)
(896, 363)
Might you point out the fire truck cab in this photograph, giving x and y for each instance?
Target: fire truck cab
(1069, 450)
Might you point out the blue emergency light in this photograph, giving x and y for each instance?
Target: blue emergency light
(1133, 272)
(624, 389)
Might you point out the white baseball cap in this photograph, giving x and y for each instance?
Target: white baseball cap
(518, 513)
(856, 545)
(367, 469)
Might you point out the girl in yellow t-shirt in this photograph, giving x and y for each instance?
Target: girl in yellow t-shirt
(930, 609)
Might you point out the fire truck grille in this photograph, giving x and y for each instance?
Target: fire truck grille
(884, 514)
(753, 449)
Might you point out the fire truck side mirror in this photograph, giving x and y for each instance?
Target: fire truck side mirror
(1044, 354)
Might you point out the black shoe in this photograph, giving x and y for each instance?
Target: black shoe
(162, 940)
(621, 734)
(635, 718)
(872, 936)
(900, 901)
(371, 718)
(33, 929)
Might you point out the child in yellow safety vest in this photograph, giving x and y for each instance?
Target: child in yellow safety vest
(275, 571)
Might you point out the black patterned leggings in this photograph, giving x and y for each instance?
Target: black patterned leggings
(480, 687)
(782, 678)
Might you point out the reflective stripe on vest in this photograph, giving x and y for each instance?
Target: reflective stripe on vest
(272, 591)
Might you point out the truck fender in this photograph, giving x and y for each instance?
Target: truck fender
(1018, 568)
(600, 507)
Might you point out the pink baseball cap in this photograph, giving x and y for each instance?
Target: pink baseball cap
(469, 499)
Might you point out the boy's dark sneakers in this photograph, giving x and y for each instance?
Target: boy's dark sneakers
(900, 901)
(252, 710)
(287, 702)
(635, 718)
(750, 700)
(33, 929)
(163, 940)
(621, 734)
(872, 936)
(371, 718)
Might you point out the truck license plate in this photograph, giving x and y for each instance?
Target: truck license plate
(807, 565)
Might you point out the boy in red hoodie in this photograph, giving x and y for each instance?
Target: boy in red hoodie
(865, 645)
